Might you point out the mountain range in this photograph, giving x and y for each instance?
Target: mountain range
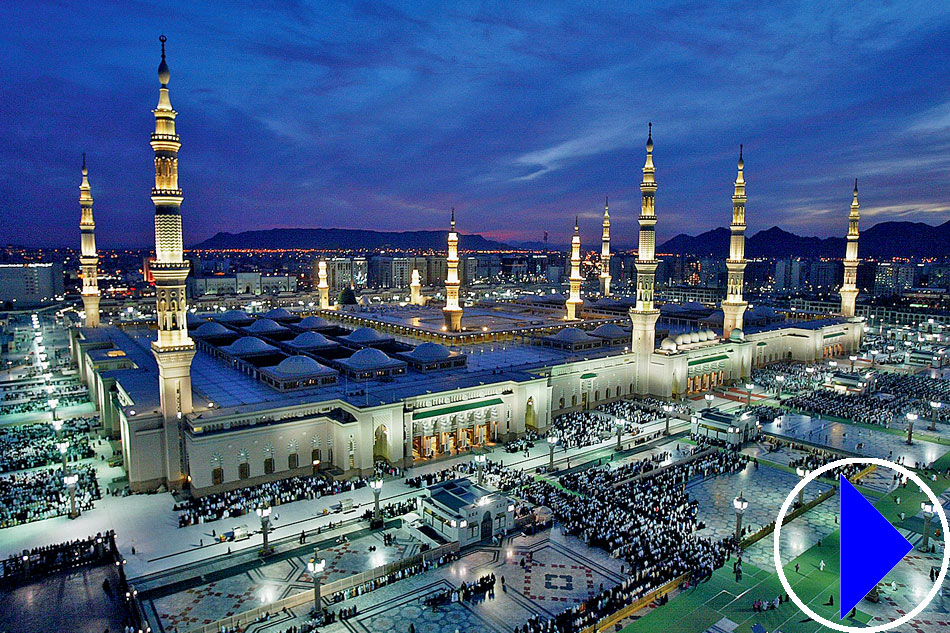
(884, 240)
(344, 239)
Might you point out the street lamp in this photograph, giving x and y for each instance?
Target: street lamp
(63, 447)
(264, 513)
(53, 403)
(748, 390)
(552, 442)
(911, 418)
(71, 480)
(480, 468)
(802, 472)
(740, 504)
(316, 567)
(934, 406)
(619, 423)
(833, 364)
(709, 400)
(852, 358)
(874, 353)
(779, 381)
(667, 409)
(377, 486)
(928, 509)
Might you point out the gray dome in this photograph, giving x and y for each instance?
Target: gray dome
(702, 335)
(609, 330)
(313, 322)
(694, 337)
(363, 335)
(193, 319)
(668, 344)
(571, 335)
(265, 325)
(234, 315)
(368, 358)
(310, 339)
(736, 335)
(682, 339)
(711, 335)
(249, 345)
(299, 366)
(430, 352)
(278, 313)
(211, 329)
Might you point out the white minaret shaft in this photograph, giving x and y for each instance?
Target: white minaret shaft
(323, 287)
(453, 309)
(173, 350)
(88, 257)
(605, 254)
(415, 289)
(734, 307)
(574, 301)
(849, 289)
(645, 315)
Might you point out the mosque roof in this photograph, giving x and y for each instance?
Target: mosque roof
(572, 335)
(265, 325)
(278, 313)
(310, 339)
(234, 315)
(313, 322)
(299, 366)
(609, 330)
(248, 345)
(369, 358)
(364, 335)
(211, 329)
(430, 352)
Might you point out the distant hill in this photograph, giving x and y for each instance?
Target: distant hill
(344, 239)
(887, 239)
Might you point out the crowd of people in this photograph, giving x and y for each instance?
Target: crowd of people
(41, 494)
(484, 586)
(41, 561)
(34, 445)
(866, 408)
(234, 503)
(796, 377)
(19, 399)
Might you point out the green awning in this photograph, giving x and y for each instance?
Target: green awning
(834, 335)
(701, 361)
(761, 344)
(587, 376)
(456, 408)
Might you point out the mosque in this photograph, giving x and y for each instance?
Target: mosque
(230, 399)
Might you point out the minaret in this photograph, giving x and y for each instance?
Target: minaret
(415, 289)
(605, 254)
(849, 289)
(574, 301)
(323, 288)
(645, 314)
(88, 258)
(174, 349)
(734, 307)
(452, 310)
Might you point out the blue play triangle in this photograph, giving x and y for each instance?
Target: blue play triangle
(870, 547)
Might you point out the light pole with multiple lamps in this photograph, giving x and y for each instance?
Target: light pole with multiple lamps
(709, 400)
(619, 423)
(552, 442)
(779, 381)
(667, 409)
(53, 403)
(740, 504)
(802, 472)
(928, 509)
(852, 358)
(934, 407)
(911, 418)
(71, 480)
(748, 393)
(873, 354)
(377, 486)
(264, 513)
(480, 468)
(316, 567)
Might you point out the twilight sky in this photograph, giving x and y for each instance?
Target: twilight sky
(520, 114)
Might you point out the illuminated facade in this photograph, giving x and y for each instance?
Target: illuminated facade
(849, 289)
(173, 349)
(734, 307)
(88, 257)
(453, 309)
(415, 289)
(605, 253)
(323, 288)
(574, 301)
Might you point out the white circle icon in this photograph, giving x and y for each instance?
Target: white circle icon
(907, 617)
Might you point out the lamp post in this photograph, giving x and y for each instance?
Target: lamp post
(264, 513)
(802, 472)
(928, 509)
(377, 486)
(740, 504)
(71, 480)
(667, 409)
(709, 400)
(852, 358)
(748, 393)
(63, 448)
(934, 406)
(53, 403)
(779, 381)
(552, 442)
(911, 418)
(480, 468)
(873, 354)
(619, 423)
(890, 353)
(316, 567)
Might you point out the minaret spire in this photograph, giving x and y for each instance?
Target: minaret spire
(88, 257)
(734, 307)
(849, 289)
(452, 312)
(645, 314)
(605, 252)
(173, 349)
(323, 288)
(574, 301)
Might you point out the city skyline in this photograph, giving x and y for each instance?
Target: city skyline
(377, 117)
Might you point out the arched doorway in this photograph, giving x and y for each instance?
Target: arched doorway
(486, 525)
(530, 416)
(381, 444)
